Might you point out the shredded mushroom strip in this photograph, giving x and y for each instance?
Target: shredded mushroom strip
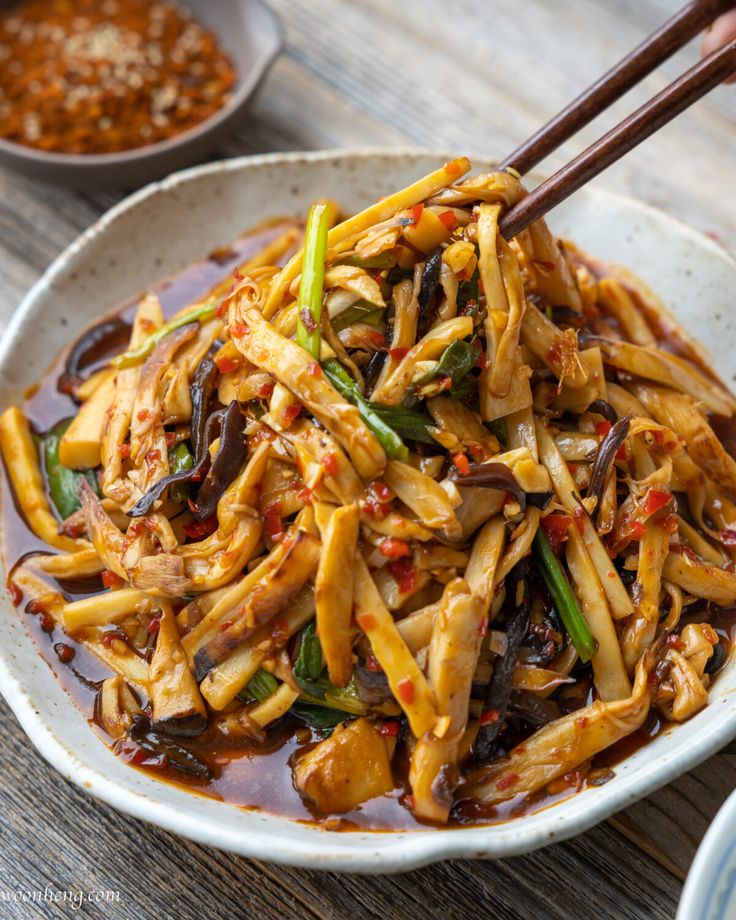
(437, 506)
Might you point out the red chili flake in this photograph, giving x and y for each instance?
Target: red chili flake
(554, 354)
(405, 575)
(146, 325)
(482, 361)
(314, 369)
(655, 500)
(384, 494)
(389, 729)
(636, 530)
(238, 329)
(373, 507)
(602, 428)
(65, 653)
(728, 536)
(197, 530)
(153, 455)
(36, 606)
(111, 579)
(226, 625)
(581, 721)
(14, 593)
(621, 453)
(377, 339)
(462, 463)
(305, 496)
(555, 529)
(448, 219)
(226, 364)
(670, 522)
(507, 781)
(398, 353)
(452, 168)
(366, 621)
(272, 521)
(154, 624)
(192, 505)
(394, 549)
(579, 516)
(308, 321)
(476, 450)
(112, 634)
(674, 641)
(330, 464)
(290, 413)
(483, 628)
(406, 691)
(371, 664)
(125, 451)
(489, 716)
(143, 414)
(47, 622)
(170, 438)
(416, 213)
(149, 525)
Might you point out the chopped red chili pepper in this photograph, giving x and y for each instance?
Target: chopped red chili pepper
(555, 529)
(507, 781)
(170, 438)
(406, 691)
(290, 413)
(462, 463)
(636, 530)
(226, 364)
(314, 369)
(198, 530)
(602, 428)
(728, 537)
(489, 716)
(448, 219)
(111, 579)
(154, 624)
(398, 353)
(674, 641)
(404, 573)
(366, 621)
(482, 361)
(670, 522)
(416, 213)
(389, 729)
(153, 455)
(371, 664)
(125, 451)
(579, 516)
(305, 495)
(377, 339)
(394, 549)
(272, 521)
(330, 464)
(384, 494)
(655, 500)
(238, 329)
(143, 414)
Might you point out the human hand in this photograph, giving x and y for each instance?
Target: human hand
(720, 33)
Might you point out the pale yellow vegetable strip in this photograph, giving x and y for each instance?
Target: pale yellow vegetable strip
(293, 366)
(520, 432)
(380, 211)
(663, 367)
(408, 685)
(702, 547)
(132, 667)
(81, 444)
(563, 745)
(416, 629)
(426, 497)
(174, 691)
(275, 706)
(609, 672)
(223, 683)
(556, 348)
(480, 573)
(101, 609)
(333, 592)
(508, 343)
(520, 546)
(497, 303)
(21, 462)
(406, 314)
(82, 564)
(616, 300)
(568, 495)
(209, 627)
(520, 395)
(701, 579)
(428, 348)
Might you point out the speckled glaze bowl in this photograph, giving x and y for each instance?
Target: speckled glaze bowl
(251, 34)
(710, 889)
(168, 225)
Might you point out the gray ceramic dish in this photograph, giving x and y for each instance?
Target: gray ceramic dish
(250, 32)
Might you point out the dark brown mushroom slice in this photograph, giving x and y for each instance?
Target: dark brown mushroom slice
(89, 347)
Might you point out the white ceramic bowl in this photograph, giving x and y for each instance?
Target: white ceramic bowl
(164, 227)
(710, 890)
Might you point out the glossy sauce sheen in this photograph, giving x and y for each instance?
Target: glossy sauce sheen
(246, 775)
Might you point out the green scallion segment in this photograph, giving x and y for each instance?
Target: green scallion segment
(390, 441)
(197, 314)
(262, 685)
(311, 287)
(63, 482)
(564, 597)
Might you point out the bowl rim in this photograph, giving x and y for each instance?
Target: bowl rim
(410, 849)
(244, 88)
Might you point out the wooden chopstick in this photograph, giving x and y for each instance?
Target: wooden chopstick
(693, 84)
(660, 45)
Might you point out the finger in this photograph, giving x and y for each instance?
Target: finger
(722, 31)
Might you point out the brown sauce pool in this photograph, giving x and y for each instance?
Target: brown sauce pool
(246, 775)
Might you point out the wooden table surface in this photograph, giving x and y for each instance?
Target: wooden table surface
(467, 76)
